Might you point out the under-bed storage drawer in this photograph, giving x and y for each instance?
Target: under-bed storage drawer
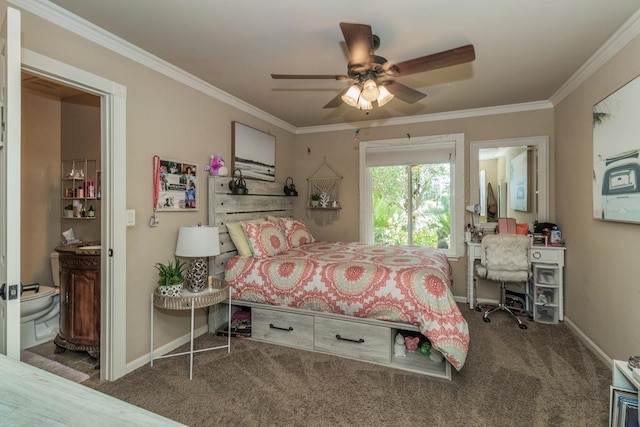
(290, 329)
(356, 340)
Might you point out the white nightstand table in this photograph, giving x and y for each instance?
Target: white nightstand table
(190, 301)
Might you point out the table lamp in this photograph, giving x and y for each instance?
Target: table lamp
(198, 243)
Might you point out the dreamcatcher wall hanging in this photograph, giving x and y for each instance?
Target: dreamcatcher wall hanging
(323, 190)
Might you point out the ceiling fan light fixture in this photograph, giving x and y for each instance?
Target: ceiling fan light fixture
(352, 96)
(370, 90)
(384, 97)
(363, 104)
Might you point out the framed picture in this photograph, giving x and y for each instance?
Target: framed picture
(253, 152)
(616, 155)
(178, 184)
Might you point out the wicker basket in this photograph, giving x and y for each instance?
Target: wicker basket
(208, 297)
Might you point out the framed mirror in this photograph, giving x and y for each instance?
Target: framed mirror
(516, 172)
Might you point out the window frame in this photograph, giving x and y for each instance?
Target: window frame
(435, 142)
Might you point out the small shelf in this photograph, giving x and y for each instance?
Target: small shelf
(80, 187)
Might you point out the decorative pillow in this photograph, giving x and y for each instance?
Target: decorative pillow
(265, 239)
(296, 231)
(239, 238)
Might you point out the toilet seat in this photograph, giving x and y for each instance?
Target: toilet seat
(44, 292)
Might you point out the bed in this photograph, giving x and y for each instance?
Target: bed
(348, 299)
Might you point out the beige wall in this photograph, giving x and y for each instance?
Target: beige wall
(166, 118)
(341, 153)
(81, 140)
(40, 180)
(602, 293)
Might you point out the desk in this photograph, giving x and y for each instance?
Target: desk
(538, 255)
(191, 301)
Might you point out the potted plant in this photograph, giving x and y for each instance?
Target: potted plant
(315, 200)
(68, 211)
(171, 278)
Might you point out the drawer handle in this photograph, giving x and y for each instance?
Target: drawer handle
(290, 328)
(536, 255)
(358, 341)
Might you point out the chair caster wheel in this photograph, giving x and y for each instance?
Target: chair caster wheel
(478, 309)
(486, 319)
(522, 326)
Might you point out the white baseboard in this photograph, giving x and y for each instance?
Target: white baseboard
(170, 346)
(589, 343)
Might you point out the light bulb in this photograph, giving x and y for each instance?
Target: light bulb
(352, 95)
(370, 90)
(384, 97)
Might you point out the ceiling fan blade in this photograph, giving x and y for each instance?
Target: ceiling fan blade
(459, 55)
(337, 101)
(310, 76)
(402, 92)
(359, 40)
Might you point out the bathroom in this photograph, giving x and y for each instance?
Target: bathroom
(58, 123)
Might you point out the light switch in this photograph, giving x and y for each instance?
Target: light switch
(131, 217)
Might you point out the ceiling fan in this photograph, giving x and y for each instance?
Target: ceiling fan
(371, 73)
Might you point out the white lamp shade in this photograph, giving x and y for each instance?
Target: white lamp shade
(198, 241)
(370, 90)
(352, 95)
(384, 97)
(363, 104)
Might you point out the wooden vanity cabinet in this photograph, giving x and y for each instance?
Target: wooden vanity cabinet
(79, 304)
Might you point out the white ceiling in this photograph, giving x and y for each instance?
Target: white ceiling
(525, 50)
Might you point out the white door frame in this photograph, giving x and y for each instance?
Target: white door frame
(10, 184)
(113, 165)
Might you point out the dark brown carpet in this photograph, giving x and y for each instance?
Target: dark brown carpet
(543, 376)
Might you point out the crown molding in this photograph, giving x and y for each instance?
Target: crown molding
(449, 115)
(622, 37)
(73, 23)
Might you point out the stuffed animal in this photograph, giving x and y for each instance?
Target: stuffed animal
(399, 349)
(217, 166)
(411, 343)
(436, 356)
(425, 348)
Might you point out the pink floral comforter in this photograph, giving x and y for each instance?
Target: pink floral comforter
(397, 283)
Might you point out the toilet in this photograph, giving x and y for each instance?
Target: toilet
(40, 311)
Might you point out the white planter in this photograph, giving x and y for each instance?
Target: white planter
(315, 203)
(171, 291)
(68, 213)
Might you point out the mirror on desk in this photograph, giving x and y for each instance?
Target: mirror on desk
(516, 172)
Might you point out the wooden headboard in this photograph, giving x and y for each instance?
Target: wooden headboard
(264, 198)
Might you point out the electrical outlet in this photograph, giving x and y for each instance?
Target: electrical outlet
(13, 291)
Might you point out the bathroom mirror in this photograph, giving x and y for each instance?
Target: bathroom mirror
(517, 170)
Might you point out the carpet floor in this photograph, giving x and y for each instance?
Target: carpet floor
(542, 376)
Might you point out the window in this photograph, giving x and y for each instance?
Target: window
(412, 193)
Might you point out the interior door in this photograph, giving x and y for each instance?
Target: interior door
(10, 184)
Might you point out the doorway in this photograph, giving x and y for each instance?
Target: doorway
(60, 126)
(113, 273)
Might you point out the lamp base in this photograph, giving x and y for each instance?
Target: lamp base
(196, 279)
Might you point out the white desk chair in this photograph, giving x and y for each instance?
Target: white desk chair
(505, 258)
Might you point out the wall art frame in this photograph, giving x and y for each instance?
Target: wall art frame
(616, 155)
(253, 152)
(178, 185)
